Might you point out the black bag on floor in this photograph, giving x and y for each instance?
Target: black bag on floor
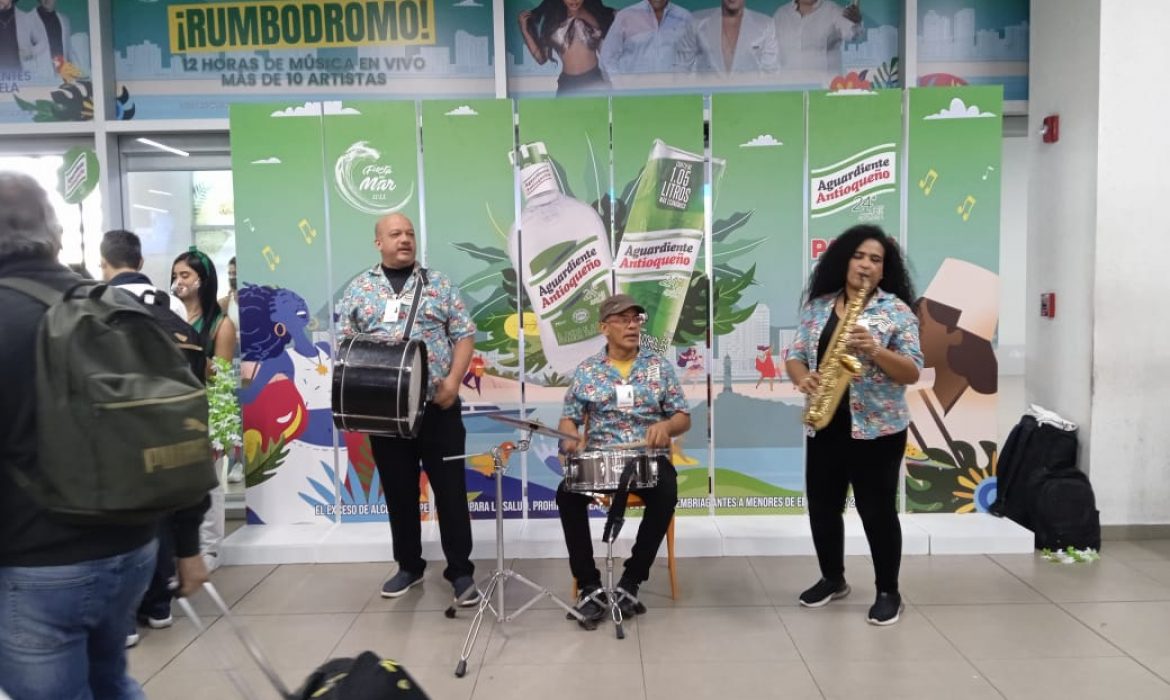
(1041, 488)
(367, 677)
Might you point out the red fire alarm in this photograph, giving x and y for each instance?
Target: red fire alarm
(1048, 305)
(1051, 128)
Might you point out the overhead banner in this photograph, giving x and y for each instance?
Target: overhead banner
(757, 239)
(700, 46)
(45, 62)
(953, 237)
(176, 59)
(854, 144)
(976, 42)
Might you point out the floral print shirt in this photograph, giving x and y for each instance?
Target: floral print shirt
(657, 395)
(369, 303)
(877, 403)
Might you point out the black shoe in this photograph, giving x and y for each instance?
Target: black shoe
(629, 604)
(465, 597)
(824, 591)
(886, 610)
(592, 609)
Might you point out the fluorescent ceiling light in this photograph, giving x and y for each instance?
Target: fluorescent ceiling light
(148, 208)
(163, 147)
(165, 194)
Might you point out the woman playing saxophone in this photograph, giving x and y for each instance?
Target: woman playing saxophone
(862, 275)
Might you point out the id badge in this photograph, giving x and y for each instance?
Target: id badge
(391, 314)
(625, 395)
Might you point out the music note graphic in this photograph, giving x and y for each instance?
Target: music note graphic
(307, 230)
(270, 257)
(251, 228)
(965, 208)
(988, 172)
(926, 184)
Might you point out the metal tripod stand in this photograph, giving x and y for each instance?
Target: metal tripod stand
(615, 595)
(495, 585)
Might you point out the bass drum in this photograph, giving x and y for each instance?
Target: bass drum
(379, 386)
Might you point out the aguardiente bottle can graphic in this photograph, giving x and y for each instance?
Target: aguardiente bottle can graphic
(662, 239)
(561, 252)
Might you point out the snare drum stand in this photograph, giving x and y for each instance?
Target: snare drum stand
(615, 595)
(500, 575)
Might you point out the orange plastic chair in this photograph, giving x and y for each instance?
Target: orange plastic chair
(634, 501)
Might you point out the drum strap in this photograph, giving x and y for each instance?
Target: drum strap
(617, 508)
(420, 281)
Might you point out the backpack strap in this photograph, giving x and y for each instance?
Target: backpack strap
(37, 290)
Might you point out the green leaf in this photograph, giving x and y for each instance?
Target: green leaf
(728, 251)
(724, 227)
(940, 455)
(483, 278)
(965, 454)
(487, 254)
(725, 324)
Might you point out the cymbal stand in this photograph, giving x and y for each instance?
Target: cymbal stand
(614, 594)
(495, 585)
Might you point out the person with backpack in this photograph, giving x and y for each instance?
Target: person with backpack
(178, 535)
(69, 584)
(195, 283)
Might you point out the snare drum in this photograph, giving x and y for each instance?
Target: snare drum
(599, 471)
(379, 386)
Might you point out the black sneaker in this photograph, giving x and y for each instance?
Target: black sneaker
(400, 583)
(592, 609)
(886, 610)
(627, 604)
(466, 594)
(824, 591)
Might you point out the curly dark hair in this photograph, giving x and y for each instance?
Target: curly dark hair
(972, 359)
(258, 340)
(828, 277)
(549, 15)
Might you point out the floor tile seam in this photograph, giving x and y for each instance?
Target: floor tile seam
(968, 660)
(1019, 578)
(1111, 643)
(799, 653)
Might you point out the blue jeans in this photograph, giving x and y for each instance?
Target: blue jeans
(63, 628)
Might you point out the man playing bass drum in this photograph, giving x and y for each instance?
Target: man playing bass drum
(378, 301)
(623, 394)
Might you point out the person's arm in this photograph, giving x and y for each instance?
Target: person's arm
(225, 339)
(901, 359)
(612, 47)
(184, 525)
(572, 418)
(534, 48)
(461, 330)
(849, 23)
(769, 49)
(797, 362)
(687, 51)
(675, 406)
(347, 322)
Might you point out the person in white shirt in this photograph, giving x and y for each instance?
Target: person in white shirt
(810, 34)
(644, 38)
(58, 30)
(729, 39)
(24, 45)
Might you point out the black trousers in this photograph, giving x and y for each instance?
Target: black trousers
(156, 602)
(442, 435)
(660, 502)
(835, 461)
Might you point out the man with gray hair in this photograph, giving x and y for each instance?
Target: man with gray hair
(69, 589)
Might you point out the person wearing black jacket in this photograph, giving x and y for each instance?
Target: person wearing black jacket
(67, 591)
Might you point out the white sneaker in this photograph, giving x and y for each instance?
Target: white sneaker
(132, 640)
(236, 473)
(211, 561)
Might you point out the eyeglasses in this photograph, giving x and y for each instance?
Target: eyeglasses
(628, 319)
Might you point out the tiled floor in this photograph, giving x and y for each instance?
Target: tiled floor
(1009, 626)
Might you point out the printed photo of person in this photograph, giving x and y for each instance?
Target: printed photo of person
(729, 39)
(644, 38)
(23, 40)
(569, 32)
(810, 34)
(58, 30)
(957, 315)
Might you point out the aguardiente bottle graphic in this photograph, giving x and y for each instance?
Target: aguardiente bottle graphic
(663, 235)
(561, 251)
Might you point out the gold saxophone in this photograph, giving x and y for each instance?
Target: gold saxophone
(837, 368)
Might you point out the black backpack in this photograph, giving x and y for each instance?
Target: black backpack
(184, 335)
(121, 419)
(367, 677)
(1041, 487)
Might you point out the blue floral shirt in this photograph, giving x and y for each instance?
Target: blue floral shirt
(368, 307)
(594, 393)
(877, 403)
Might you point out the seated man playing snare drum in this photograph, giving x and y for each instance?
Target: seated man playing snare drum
(623, 394)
